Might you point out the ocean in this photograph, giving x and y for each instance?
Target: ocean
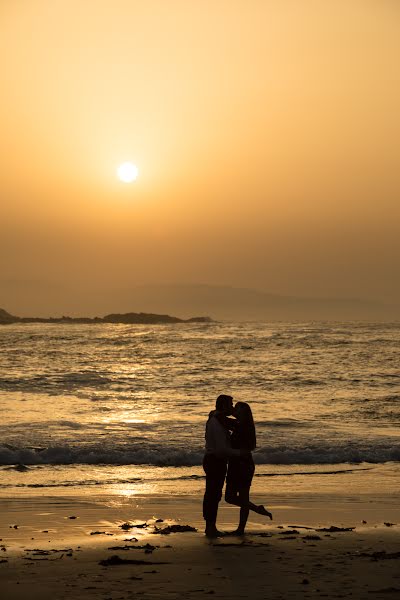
(124, 406)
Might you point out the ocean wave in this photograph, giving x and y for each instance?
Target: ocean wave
(67, 455)
(135, 480)
(286, 422)
(56, 381)
(323, 455)
(74, 483)
(168, 456)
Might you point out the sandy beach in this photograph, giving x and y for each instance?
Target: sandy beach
(64, 547)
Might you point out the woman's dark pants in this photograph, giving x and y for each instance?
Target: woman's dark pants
(215, 470)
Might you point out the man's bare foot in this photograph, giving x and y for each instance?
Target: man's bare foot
(212, 532)
(261, 510)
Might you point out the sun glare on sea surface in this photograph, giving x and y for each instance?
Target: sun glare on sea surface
(127, 172)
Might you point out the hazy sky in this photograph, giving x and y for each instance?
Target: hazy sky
(266, 133)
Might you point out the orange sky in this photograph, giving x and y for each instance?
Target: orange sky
(266, 134)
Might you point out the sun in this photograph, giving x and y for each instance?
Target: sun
(127, 172)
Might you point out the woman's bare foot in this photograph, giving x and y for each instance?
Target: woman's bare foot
(236, 532)
(261, 510)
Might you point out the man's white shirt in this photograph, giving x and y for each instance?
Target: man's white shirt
(217, 439)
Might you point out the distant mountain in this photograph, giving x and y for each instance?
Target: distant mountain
(230, 303)
(128, 318)
(148, 318)
(160, 301)
(6, 318)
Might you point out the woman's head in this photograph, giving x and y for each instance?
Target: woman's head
(242, 411)
(243, 414)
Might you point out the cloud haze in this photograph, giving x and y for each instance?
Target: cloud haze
(266, 135)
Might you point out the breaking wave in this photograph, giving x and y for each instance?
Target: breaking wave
(176, 457)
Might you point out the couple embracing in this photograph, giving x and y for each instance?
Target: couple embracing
(229, 444)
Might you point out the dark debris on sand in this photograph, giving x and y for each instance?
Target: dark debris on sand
(388, 590)
(174, 529)
(334, 529)
(148, 548)
(380, 555)
(44, 552)
(127, 526)
(243, 544)
(117, 560)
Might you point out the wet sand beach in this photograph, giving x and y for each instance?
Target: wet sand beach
(122, 548)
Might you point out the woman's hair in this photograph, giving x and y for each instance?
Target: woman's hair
(248, 430)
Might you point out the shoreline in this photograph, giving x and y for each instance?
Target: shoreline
(59, 542)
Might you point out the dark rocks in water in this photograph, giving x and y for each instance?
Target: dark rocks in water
(389, 524)
(117, 560)
(100, 533)
(311, 537)
(199, 320)
(334, 529)
(123, 318)
(146, 318)
(175, 529)
(150, 319)
(288, 532)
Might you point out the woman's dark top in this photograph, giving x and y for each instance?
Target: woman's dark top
(240, 469)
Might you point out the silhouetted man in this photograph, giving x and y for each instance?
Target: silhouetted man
(218, 450)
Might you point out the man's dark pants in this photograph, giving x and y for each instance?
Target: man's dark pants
(215, 470)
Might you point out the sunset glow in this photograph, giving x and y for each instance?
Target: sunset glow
(127, 172)
(261, 153)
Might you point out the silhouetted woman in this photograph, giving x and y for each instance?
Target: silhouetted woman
(241, 469)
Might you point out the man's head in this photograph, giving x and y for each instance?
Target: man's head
(224, 404)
